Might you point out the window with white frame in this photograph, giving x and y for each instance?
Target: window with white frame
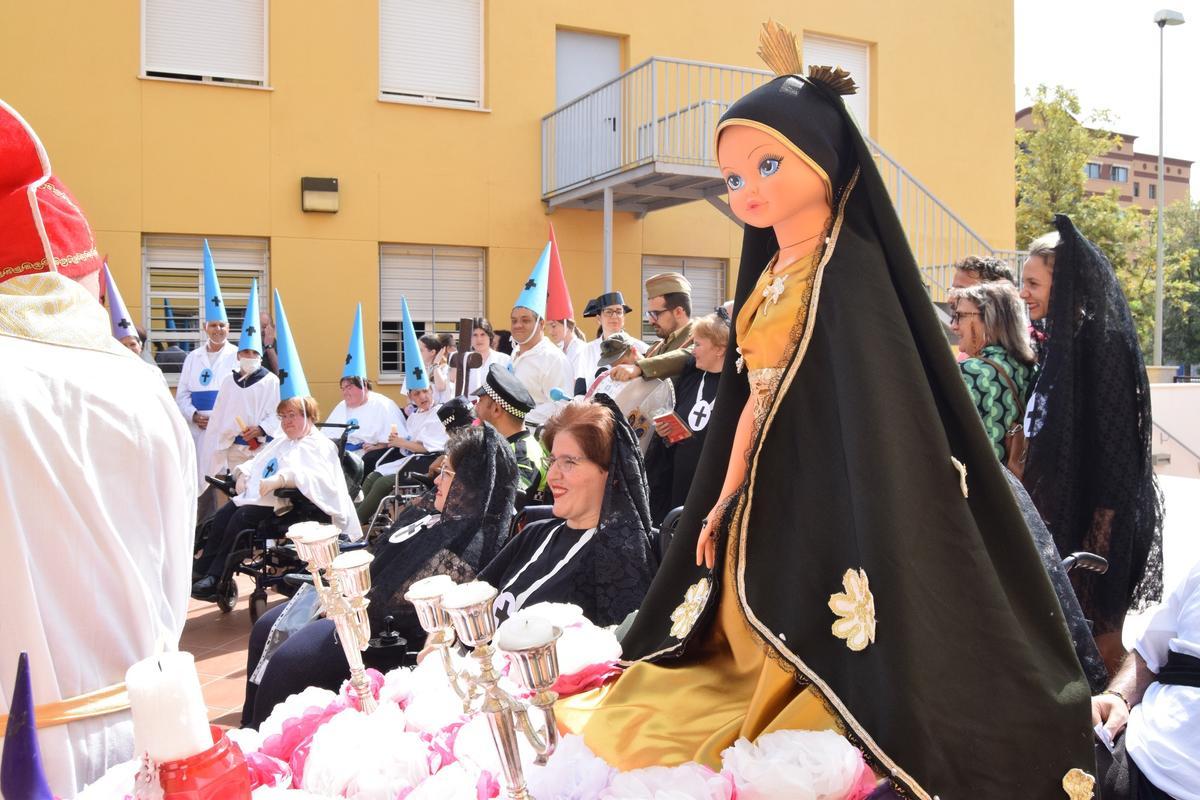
(173, 285)
(1091, 170)
(431, 51)
(707, 276)
(442, 285)
(855, 58)
(214, 41)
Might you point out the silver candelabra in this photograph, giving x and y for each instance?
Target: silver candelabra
(449, 612)
(343, 596)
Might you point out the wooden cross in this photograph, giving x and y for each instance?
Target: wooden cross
(466, 359)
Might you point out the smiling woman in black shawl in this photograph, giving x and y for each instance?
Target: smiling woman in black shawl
(1088, 467)
(873, 574)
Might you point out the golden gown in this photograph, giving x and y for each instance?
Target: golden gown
(728, 687)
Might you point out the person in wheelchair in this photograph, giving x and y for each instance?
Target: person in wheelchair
(303, 459)
(598, 550)
(456, 530)
(426, 436)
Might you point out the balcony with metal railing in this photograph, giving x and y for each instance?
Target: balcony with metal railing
(644, 141)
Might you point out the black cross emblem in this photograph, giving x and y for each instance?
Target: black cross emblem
(123, 323)
(251, 330)
(531, 283)
(349, 358)
(206, 376)
(418, 373)
(270, 470)
(700, 415)
(216, 301)
(283, 374)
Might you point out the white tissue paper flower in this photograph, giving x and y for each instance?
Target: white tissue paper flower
(584, 646)
(564, 615)
(248, 739)
(271, 793)
(294, 706)
(116, 784)
(801, 765)
(454, 782)
(474, 745)
(574, 772)
(690, 781)
(365, 756)
(397, 686)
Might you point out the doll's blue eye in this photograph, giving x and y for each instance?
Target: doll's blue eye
(768, 167)
(734, 182)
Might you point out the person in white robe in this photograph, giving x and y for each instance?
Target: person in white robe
(537, 362)
(481, 342)
(244, 417)
(376, 415)
(98, 477)
(303, 459)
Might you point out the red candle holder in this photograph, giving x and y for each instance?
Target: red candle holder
(219, 773)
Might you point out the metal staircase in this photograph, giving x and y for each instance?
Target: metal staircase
(644, 141)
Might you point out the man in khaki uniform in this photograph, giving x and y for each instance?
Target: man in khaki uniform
(669, 309)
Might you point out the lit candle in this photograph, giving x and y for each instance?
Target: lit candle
(468, 594)
(523, 633)
(170, 720)
(430, 588)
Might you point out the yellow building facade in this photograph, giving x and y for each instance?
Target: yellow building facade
(151, 157)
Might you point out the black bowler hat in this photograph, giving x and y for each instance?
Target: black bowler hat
(594, 307)
(506, 391)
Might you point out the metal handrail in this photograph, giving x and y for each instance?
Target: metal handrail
(665, 110)
(1179, 442)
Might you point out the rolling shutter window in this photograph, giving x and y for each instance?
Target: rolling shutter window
(223, 40)
(431, 51)
(173, 279)
(442, 284)
(855, 58)
(707, 276)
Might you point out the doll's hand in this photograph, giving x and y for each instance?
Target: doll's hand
(706, 542)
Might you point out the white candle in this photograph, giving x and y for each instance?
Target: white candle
(430, 588)
(523, 633)
(170, 720)
(353, 559)
(468, 594)
(311, 531)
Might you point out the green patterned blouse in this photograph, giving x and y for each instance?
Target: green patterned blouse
(997, 407)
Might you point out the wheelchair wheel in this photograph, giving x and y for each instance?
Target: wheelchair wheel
(258, 606)
(227, 599)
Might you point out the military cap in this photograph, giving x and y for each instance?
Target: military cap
(615, 346)
(667, 283)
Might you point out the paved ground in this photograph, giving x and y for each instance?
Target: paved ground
(218, 641)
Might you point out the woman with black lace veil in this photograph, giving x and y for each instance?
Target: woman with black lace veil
(850, 556)
(455, 529)
(596, 552)
(1088, 466)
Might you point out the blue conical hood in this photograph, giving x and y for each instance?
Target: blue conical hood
(356, 352)
(169, 313)
(214, 301)
(533, 295)
(414, 367)
(118, 313)
(251, 338)
(292, 382)
(21, 773)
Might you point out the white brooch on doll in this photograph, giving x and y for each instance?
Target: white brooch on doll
(773, 291)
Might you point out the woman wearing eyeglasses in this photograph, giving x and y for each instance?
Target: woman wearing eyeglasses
(596, 551)
(302, 458)
(452, 530)
(1000, 365)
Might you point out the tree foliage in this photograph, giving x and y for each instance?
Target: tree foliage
(1051, 178)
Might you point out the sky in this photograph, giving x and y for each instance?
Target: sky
(1107, 52)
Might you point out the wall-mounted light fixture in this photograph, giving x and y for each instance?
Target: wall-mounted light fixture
(319, 194)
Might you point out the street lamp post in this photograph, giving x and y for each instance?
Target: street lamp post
(1162, 19)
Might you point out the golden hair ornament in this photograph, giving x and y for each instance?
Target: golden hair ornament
(777, 47)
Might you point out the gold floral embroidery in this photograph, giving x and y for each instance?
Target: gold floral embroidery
(763, 383)
(855, 609)
(684, 617)
(43, 264)
(1078, 785)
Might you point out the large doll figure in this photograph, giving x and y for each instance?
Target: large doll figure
(850, 555)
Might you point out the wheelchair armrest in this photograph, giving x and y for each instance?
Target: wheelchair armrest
(289, 493)
(225, 483)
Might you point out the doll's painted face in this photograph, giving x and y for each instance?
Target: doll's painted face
(768, 183)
